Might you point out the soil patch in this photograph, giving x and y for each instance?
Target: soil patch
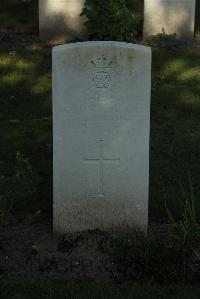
(29, 251)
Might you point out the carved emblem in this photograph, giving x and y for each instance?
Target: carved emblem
(102, 62)
(102, 77)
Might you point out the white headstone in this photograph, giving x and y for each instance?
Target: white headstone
(174, 16)
(60, 19)
(101, 116)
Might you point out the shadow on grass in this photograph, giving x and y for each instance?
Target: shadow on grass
(26, 126)
(26, 129)
(175, 127)
(18, 15)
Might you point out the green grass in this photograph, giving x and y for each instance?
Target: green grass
(97, 291)
(175, 128)
(19, 15)
(26, 127)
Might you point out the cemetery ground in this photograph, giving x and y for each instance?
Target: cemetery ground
(27, 249)
(93, 264)
(20, 16)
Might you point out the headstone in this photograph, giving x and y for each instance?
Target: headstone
(101, 116)
(197, 20)
(174, 16)
(61, 20)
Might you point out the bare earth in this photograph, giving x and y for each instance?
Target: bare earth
(30, 252)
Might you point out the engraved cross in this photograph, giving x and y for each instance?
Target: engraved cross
(101, 161)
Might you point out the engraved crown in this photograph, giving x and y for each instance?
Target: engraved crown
(102, 62)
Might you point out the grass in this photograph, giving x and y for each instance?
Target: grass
(19, 15)
(90, 290)
(175, 137)
(26, 128)
(26, 164)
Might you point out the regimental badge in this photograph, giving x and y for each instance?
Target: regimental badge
(102, 77)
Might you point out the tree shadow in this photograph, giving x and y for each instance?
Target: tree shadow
(19, 15)
(175, 112)
(26, 127)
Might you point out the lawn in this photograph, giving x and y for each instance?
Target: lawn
(26, 131)
(175, 128)
(19, 15)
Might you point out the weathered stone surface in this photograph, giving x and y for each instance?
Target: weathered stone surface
(174, 16)
(60, 19)
(101, 115)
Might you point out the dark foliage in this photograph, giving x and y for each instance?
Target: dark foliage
(113, 19)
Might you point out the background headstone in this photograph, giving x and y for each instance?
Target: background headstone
(60, 19)
(174, 16)
(197, 20)
(101, 116)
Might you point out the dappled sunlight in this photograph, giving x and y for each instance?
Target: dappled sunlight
(190, 75)
(8, 62)
(24, 65)
(191, 100)
(183, 71)
(175, 67)
(14, 69)
(25, 80)
(186, 101)
(5, 61)
(12, 78)
(25, 95)
(175, 126)
(23, 116)
(41, 86)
